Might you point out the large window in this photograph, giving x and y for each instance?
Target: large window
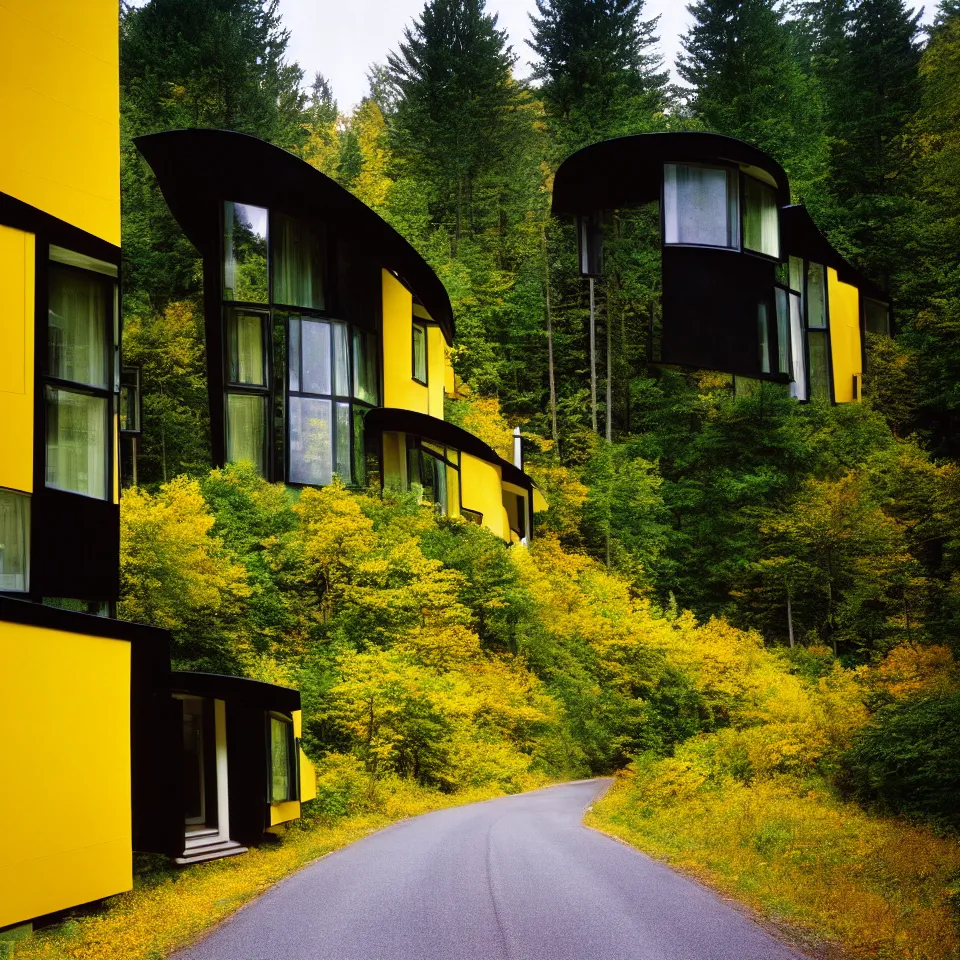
(433, 470)
(761, 218)
(81, 379)
(817, 331)
(700, 205)
(14, 542)
(297, 378)
(283, 779)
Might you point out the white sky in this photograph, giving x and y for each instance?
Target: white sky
(341, 38)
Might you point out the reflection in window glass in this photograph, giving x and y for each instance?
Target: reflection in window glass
(281, 761)
(299, 255)
(796, 274)
(293, 356)
(798, 388)
(761, 220)
(130, 399)
(343, 464)
(77, 442)
(245, 348)
(763, 336)
(244, 253)
(700, 206)
(816, 296)
(876, 317)
(341, 360)
(819, 371)
(419, 353)
(315, 368)
(783, 331)
(14, 542)
(78, 326)
(365, 385)
(246, 429)
(311, 441)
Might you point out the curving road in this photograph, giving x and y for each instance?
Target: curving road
(512, 879)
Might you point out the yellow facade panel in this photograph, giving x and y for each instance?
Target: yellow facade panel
(17, 264)
(845, 344)
(64, 65)
(66, 733)
(308, 776)
(284, 812)
(483, 493)
(399, 388)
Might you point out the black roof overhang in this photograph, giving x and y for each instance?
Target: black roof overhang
(628, 171)
(802, 238)
(237, 690)
(397, 420)
(193, 166)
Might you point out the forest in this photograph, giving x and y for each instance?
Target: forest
(748, 606)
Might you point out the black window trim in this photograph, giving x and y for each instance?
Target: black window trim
(414, 326)
(293, 756)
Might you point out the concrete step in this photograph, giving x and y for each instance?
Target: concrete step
(216, 850)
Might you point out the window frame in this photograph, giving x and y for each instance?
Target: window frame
(26, 499)
(416, 443)
(293, 757)
(110, 393)
(414, 327)
(773, 258)
(728, 169)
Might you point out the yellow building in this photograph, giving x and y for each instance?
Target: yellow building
(328, 335)
(103, 749)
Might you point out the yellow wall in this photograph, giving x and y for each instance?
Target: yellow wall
(399, 388)
(60, 110)
(16, 358)
(483, 493)
(844, 336)
(436, 370)
(308, 776)
(65, 802)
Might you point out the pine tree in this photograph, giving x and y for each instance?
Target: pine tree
(599, 72)
(740, 63)
(452, 74)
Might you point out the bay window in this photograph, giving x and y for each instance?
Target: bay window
(81, 378)
(701, 205)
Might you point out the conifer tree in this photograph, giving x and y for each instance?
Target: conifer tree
(598, 67)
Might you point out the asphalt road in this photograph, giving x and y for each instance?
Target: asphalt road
(512, 879)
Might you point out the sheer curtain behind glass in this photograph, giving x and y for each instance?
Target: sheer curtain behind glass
(14, 542)
(246, 429)
(298, 263)
(77, 330)
(76, 442)
(700, 206)
(761, 218)
(245, 336)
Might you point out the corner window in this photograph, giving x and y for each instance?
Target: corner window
(245, 253)
(701, 206)
(761, 218)
(419, 353)
(876, 317)
(14, 542)
(282, 747)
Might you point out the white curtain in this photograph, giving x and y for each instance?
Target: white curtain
(700, 206)
(761, 218)
(298, 264)
(246, 429)
(246, 348)
(315, 344)
(14, 542)
(311, 441)
(798, 388)
(77, 331)
(343, 466)
(77, 443)
(420, 353)
(341, 360)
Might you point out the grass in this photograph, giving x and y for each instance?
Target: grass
(825, 869)
(169, 908)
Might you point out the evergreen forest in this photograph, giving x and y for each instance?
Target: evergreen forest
(746, 605)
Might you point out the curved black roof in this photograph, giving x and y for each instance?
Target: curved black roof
(252, 693)
(802, 238)
(396, 419)
(628, 171)
(193, 166)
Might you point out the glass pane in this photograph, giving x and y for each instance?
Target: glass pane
(413, 464)
(341, 360)
(245, 253)
(420, 353)
(439, 485)
(783, 330)
(247, 429)
(365, 384)
(877, 317)
(798, 388)
(796, 274)
(816, 296)
(280, 779)
(700, 206)
(315, 340)
(819, 372)
(77, 443)
(130, 399)
(761, 221)
(78, 325)
(245, 348)
(453, 492)
(311, 451)
(14, 542)
(343, 467)
(359, 451)
(294, 354)
(299, 255)
(763, 336)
